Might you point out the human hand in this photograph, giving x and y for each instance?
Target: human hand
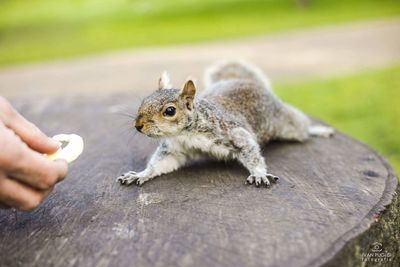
(26, 175)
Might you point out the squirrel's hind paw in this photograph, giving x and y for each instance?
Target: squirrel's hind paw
(321, 131)
(262, 180)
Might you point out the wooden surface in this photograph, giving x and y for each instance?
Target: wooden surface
(202, 215)
(385, 231)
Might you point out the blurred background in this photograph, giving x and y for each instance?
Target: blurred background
(359, 99)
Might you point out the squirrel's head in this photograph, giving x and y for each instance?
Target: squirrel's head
(167, 111)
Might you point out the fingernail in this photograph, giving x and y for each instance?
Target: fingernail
(54, 142)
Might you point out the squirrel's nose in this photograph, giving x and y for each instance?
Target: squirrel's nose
(139, 127)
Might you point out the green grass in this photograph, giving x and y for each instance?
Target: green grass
(365, 106)
(47, 29)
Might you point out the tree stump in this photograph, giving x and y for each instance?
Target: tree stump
(326, 209)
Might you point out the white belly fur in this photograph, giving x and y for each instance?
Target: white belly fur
(204, 144)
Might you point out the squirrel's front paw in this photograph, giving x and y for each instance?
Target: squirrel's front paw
(259, 180)
(131, 177)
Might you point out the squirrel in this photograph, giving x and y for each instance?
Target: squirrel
(235, 114)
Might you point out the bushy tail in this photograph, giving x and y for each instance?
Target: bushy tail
(229, 70)
(322, 131)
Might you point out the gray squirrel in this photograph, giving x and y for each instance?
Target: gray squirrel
(229, 120)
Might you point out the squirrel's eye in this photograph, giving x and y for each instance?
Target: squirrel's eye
(170, 111)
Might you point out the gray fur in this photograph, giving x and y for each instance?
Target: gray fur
(229, 120)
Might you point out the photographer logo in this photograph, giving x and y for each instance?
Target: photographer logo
(376, 253)
(376, 247)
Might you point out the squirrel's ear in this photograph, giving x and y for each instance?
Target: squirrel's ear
(164, 82)
(188, 91)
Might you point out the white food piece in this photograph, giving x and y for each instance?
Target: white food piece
(71, 151)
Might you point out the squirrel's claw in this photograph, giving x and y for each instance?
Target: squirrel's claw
(260, 180)
(250, 179)
(272, 177)
(132, 177)
(127, 178)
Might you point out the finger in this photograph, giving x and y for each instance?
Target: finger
(28, 166)
(32, 136)
(17, 195)
(39, 172)
(26, 130)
